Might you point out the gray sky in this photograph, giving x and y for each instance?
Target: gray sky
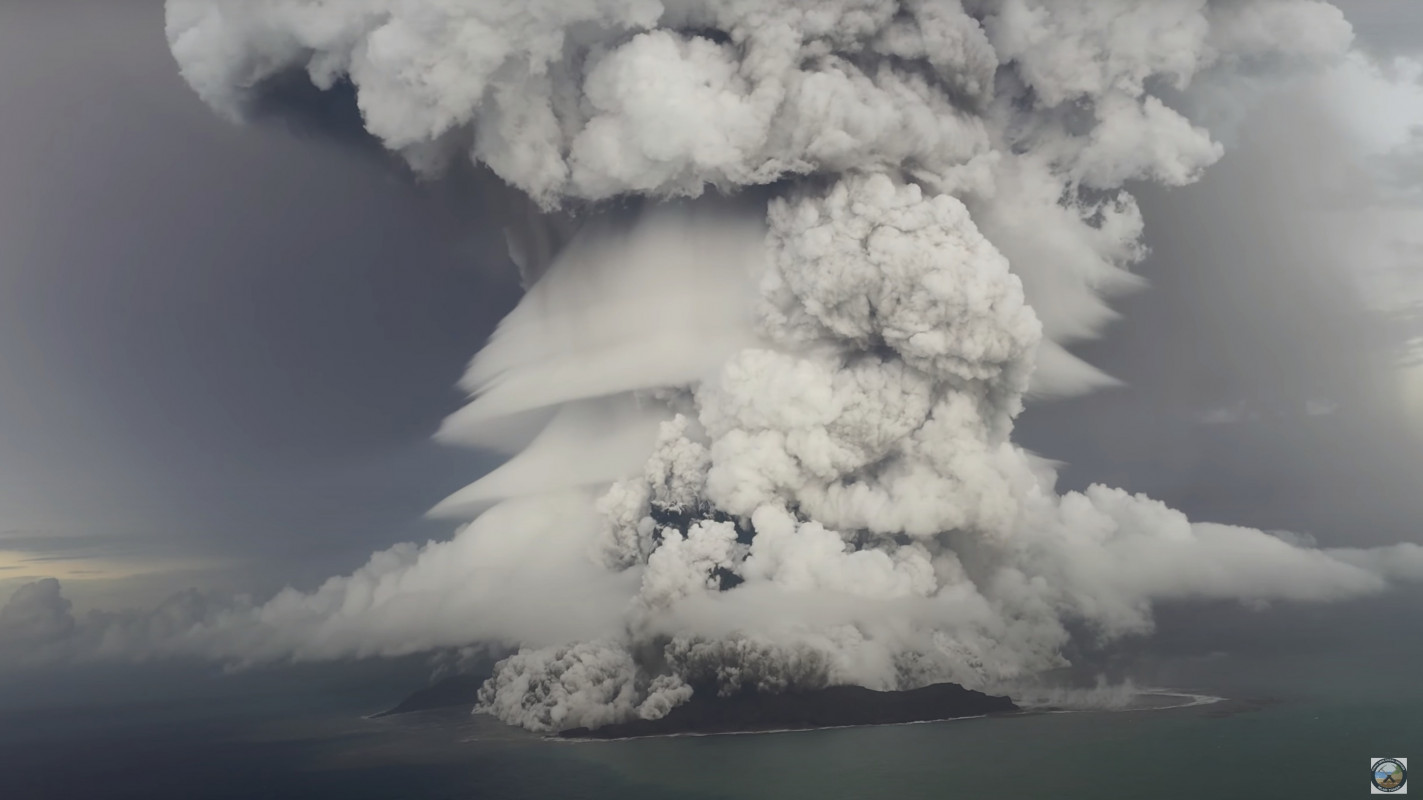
(216, 342)
(1258, 388)
(1386, 26)
(224, 349)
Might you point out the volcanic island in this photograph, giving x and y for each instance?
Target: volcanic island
(750, 711)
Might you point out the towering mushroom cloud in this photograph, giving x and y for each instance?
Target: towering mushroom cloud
(779, 401)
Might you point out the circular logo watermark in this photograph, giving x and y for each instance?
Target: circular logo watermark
(1390, 776)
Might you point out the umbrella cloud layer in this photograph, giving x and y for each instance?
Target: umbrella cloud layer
(761, 403)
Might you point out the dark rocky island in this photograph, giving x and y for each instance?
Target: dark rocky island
(835, 706)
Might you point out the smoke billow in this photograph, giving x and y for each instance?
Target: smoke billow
(763, 425)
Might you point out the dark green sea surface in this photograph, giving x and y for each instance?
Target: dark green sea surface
(1291, 727)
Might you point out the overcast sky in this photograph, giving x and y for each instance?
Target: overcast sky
(219, 346)
(223, 349)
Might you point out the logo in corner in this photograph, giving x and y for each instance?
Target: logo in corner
(1389, 776)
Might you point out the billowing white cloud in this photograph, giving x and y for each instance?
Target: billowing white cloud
(778, 447)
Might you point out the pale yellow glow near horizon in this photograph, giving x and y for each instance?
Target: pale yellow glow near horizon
(31, 566)
(1410, 384)
(102, 582)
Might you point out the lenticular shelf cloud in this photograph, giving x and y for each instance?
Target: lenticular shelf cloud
(827, 252)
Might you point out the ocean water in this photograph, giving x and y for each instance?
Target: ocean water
(1290, 727)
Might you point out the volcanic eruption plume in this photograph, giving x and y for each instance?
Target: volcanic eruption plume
(826, 249)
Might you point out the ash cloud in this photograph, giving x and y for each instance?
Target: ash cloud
(828, 252)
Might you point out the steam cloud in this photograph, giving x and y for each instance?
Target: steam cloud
(776, 405)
